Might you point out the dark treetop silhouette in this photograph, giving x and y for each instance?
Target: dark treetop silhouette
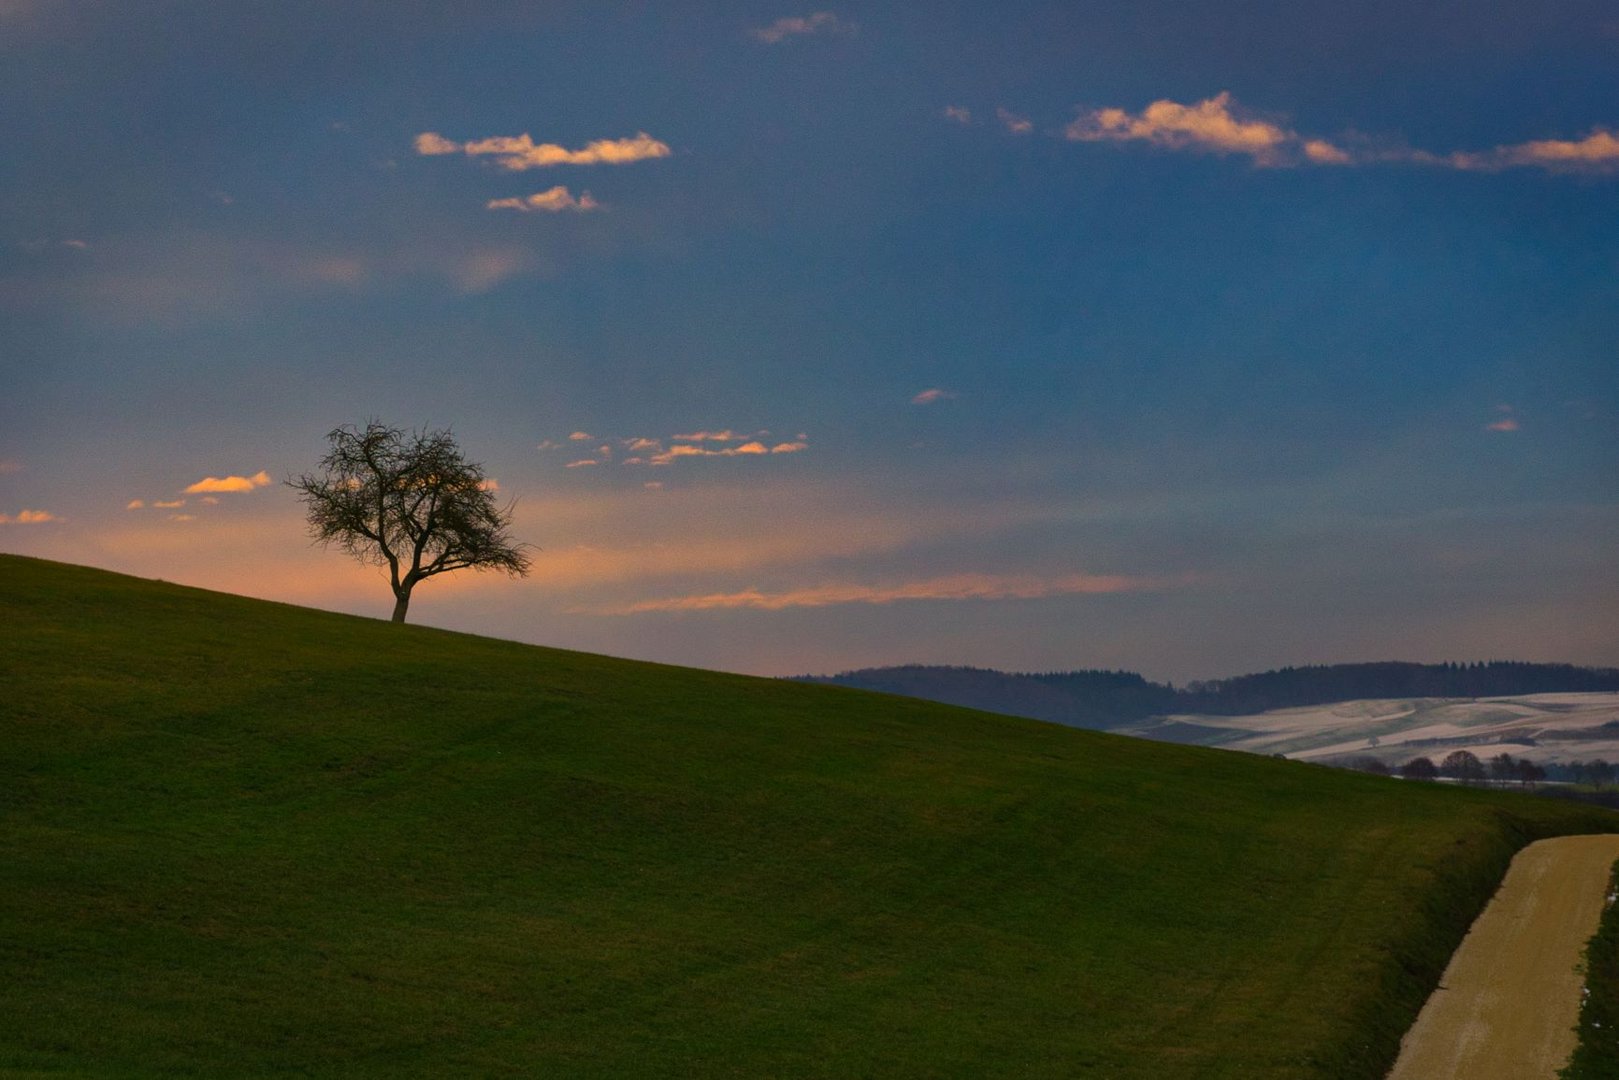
(408, 500)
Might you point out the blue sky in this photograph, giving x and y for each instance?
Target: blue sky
(1072, 334)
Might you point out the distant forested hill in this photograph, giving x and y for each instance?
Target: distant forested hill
(1101, 699)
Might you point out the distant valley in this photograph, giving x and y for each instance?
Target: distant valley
(1334, 714)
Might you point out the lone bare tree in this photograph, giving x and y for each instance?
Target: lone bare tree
(410, 501)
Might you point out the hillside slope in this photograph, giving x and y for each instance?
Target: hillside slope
(243, 838)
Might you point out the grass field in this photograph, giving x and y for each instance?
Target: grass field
(248, 839)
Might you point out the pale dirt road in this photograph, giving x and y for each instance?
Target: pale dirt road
(1508, 1002)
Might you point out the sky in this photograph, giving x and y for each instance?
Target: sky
(1186, 339)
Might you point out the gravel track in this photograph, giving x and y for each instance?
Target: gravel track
(1508, 1003)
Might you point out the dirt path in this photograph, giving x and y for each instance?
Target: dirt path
(1508, 1002)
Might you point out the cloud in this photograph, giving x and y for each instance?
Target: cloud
(581, 436)
(931, 395)
(520, 153)
(1210, 125)
(552, 200)
(174, 505)
(957, 113)
(29, 517)
(821, 22)
(483, 270)
(952, 587)
(77, 245)
(716, 436)
(1598, 152)
(1011, 121)
(9, 466)
(229, 483)
(752, 448)
(1322, 152)
(581, 463)
(1217, 125)
(1507, 422)
(636, 445)
(182, 517)
(135, 504)
(431, 143)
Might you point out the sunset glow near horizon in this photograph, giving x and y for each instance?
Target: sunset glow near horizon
(1037, 336)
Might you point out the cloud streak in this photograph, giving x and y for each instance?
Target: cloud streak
(951, 587)
(520, 153)
(791, 26)
(1218, 125)
(1211, 126)
(29, 517)
(553, 201)
(228, 484)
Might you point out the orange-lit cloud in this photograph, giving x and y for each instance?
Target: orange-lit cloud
(519, 153)
(953, 587)
(1323, 152)
(581, 463)
(1218, 125)
(135, 504)
(173, 505)
(182, 517)
(931, 395)
(958, 113)
(432, 143)
(753, 448)
(552, 200)
(644, 450)
(1597, 152)
(228, 483)
(714, 436)
(29, 517)
(1210, 125)
(821, 22)
(1011, 121)
(1505, 424)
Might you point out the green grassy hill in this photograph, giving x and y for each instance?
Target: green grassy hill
(242, 838)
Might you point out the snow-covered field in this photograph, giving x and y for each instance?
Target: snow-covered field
(1547, 728)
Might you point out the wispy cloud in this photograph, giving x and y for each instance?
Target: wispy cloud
(717, 436)
(228, 484)
(645, 450)
(1218, 125)
(1505, 422)
(1597, 152)
(1011, 121)
(1211, 125)
(791, 26)
(135, 504)
(174, 504)
(952, 587)
(552, 200)
(480, 271)
(958, 113)
(28, 517)
(931, 395)
(519, 153)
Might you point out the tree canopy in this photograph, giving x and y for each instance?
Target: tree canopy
(410, 501)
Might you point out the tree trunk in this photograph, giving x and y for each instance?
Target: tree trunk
(401, 602)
